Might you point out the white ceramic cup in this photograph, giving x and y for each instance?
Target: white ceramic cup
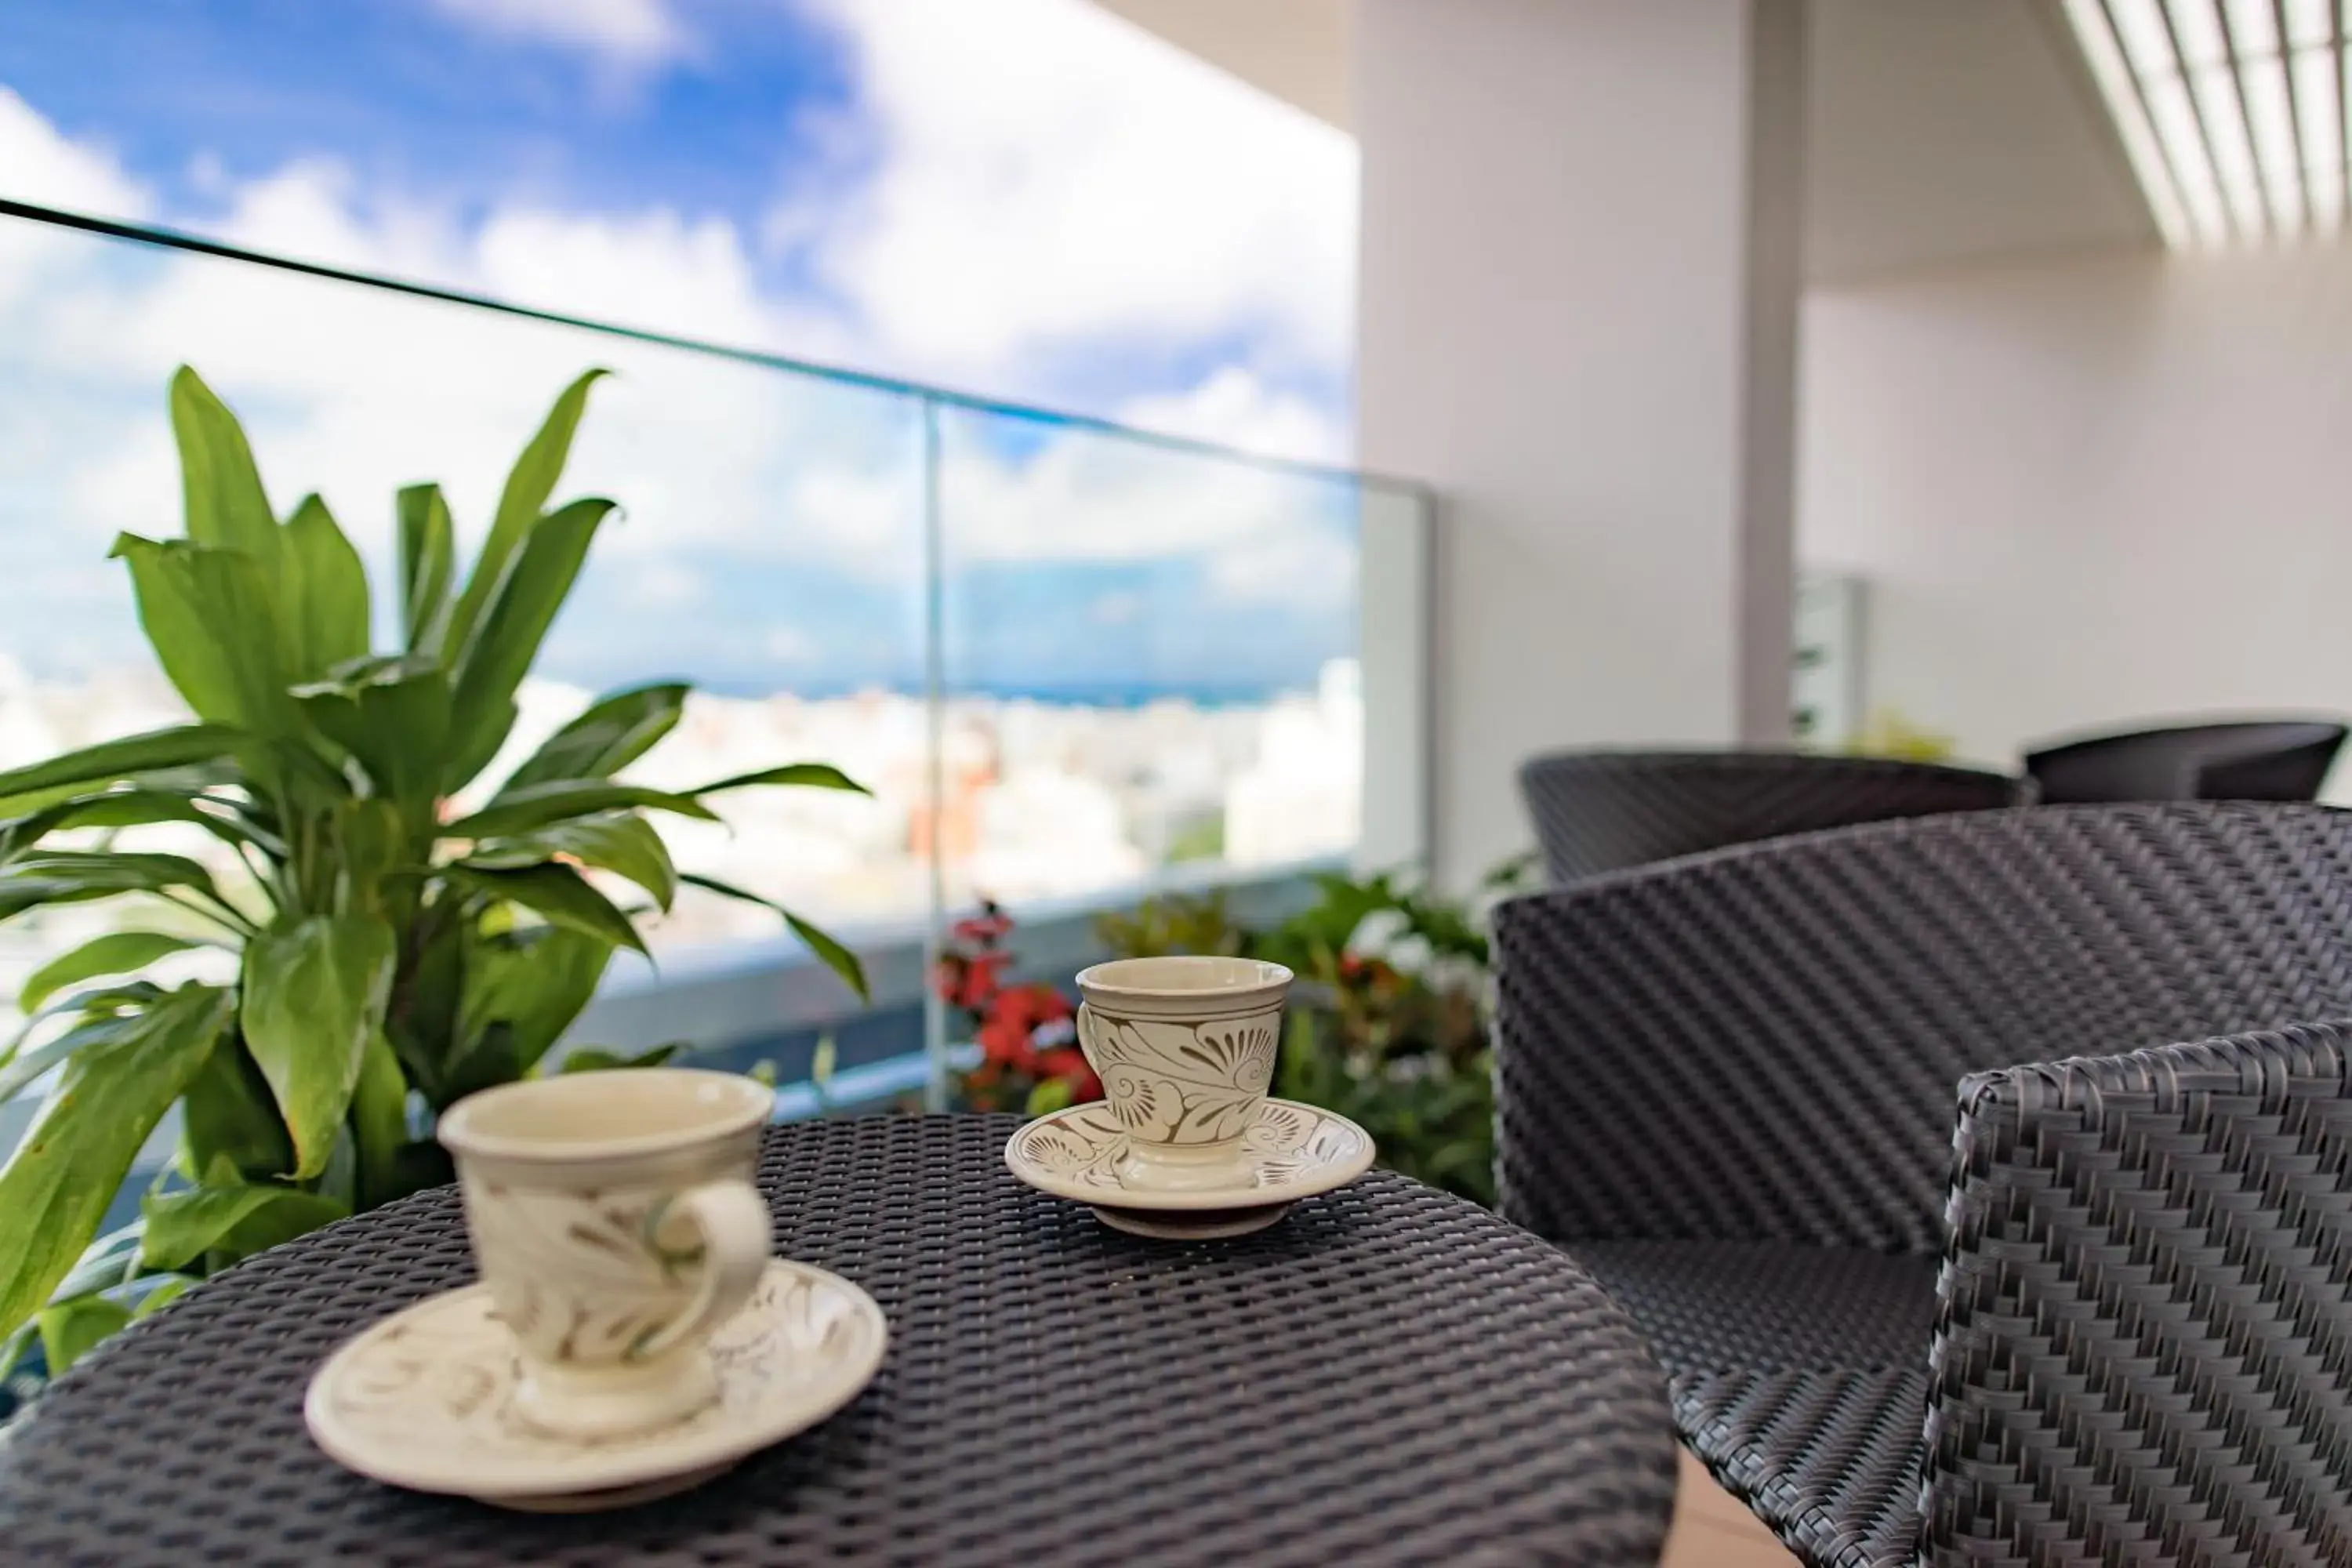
(1185, 1047)
(617, 1224)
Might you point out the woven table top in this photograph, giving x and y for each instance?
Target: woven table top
(1389, 1375)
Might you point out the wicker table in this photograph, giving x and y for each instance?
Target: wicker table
(1390, 1376)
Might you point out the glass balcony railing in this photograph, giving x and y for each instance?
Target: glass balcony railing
(1073, 662)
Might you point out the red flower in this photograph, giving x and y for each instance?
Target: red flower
(1369, 973)
(978, 979)
(1067, 1064)
(1006, 1041)
(1032, 1005)
(983, 930)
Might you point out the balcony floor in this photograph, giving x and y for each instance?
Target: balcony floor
(1712, 1531)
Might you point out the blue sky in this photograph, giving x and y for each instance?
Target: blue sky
(1024, 198)
(412, 98)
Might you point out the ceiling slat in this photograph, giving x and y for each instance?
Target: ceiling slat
(2233, 127)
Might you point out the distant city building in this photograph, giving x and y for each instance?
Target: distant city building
(1042, 800)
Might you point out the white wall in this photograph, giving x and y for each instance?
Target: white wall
(1570, 323)
(2089, 490)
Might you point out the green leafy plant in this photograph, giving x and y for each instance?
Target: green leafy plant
(1176, 922)
(392, 953)
(1889, 734)
(1387, 1024)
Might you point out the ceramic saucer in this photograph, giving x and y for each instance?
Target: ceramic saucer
(423, 1399)
(1290, 1152)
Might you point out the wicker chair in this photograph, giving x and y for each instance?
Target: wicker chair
(1984, 1182)
(1604, 811)
(2267, 761)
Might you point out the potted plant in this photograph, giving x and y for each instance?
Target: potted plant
(392, 953)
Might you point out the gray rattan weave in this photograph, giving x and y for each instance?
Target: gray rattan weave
(1605, 811)
(1390, 1376)
(1942, 1264)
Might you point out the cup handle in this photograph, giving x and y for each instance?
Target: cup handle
(733, 1220)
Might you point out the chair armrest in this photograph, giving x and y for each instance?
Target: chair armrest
(2143, 1350)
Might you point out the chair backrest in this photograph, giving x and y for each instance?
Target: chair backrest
(2260, 760)
(1767, 1043)
(1604, 811)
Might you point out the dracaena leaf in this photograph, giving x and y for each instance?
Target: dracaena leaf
(72, 1330)
(423, 1021)
(322, 593)
(219, 484)
(393, 717)
(104, 1262)
(380, 1122)
(513, 623)
(610, 735)
(620, 842)
(109, 761)
(163, 1295)
(597, 1058)
(208, 611)
(184, 1226)
(528, 485)
(798, 775)
(314, 995)
(57, 1185)
(522, 991)
(25, 1066)
(116, 953)
(834, 956)
(428, 553)
(127, 808)
(557, 894)
(58, 877)
(230, 1121)
(559, 800)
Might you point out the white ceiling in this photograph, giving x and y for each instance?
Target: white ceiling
(1297, 50)
(1939, 131)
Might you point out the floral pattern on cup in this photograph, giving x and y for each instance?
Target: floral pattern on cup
(1179, 1083)
(584, 1279)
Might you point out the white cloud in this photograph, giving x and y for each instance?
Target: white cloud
(692, 278)
(39, 164)
(1102, 184)
(1234, 408)
(313, 208)
(636, 35)
(665, 585)
(1029, 186)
